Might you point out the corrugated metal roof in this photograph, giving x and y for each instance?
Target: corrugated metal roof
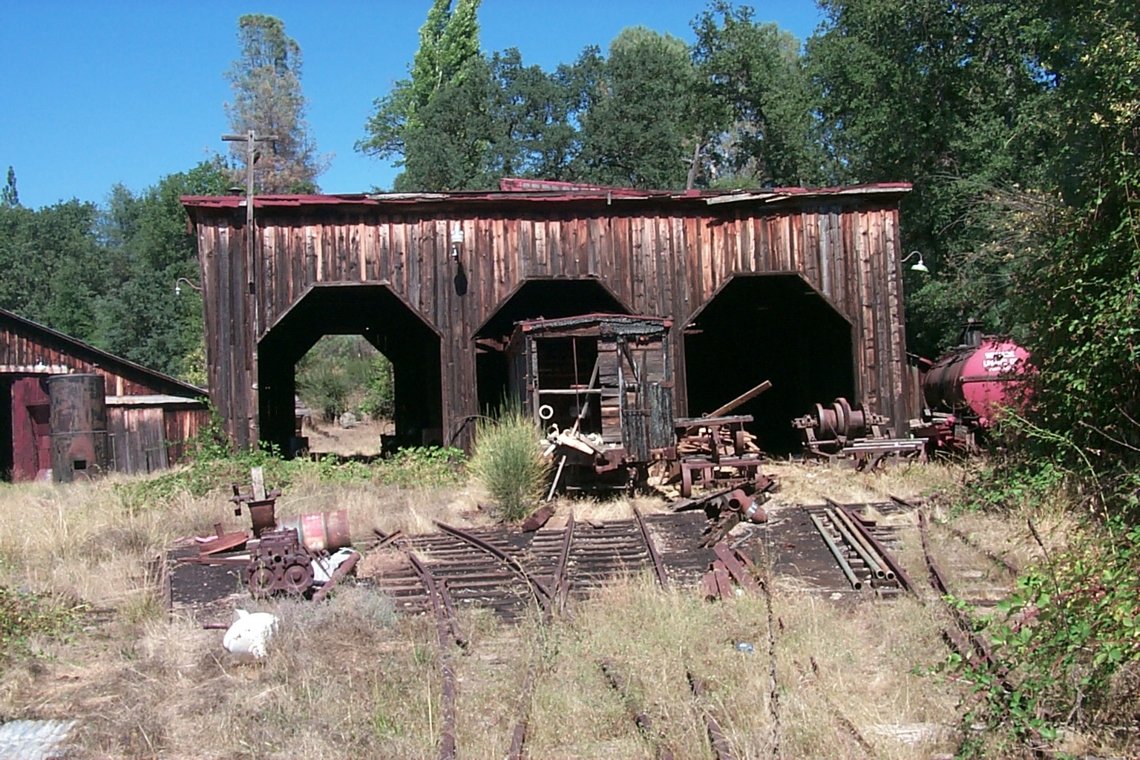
(546, 191)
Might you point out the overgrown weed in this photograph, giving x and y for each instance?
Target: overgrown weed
(508, 462)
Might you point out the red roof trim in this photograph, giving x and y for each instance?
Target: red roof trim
(527, 191)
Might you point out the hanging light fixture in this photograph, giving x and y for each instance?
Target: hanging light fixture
(919, 267)
(456, 242)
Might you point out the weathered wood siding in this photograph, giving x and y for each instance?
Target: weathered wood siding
(662, 257)
(21, 353)
(30, 350)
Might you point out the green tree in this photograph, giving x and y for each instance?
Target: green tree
(943, 95)
(532, 116)
(640, 128)
(148, 248)
(757, 103)
(1078, 286)
(9, 196)
(52, 265)
(439, 113)
(266, 83)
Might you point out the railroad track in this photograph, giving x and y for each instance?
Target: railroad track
(517, 574)
(513, 573)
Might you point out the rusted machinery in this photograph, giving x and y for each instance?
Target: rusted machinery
(278, 563)
(828, 429)
(841, 430)
(286, 556)
(601, 387)
(282, 554)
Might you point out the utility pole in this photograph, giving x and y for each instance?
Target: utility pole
(252, 270)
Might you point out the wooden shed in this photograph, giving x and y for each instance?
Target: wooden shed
(802, 287)
(149, 415)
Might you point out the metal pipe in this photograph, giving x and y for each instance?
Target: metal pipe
(900, 573)
(845, 533)
(858, 536)
(846, 568)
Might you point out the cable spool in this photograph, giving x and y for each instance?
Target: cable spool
(545, 412)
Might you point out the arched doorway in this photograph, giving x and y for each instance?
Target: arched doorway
(385, 321)
(773, 327)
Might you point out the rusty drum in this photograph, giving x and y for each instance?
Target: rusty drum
(321, 531)
(79, 445)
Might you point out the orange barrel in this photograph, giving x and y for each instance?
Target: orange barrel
(321, 531)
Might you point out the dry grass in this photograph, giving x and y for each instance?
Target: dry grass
(810, 482)
(349, 679)
(362, 439)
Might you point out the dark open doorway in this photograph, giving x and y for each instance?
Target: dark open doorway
(384, 320)
(768, 327)
(550, 299)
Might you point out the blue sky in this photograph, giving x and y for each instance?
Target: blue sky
(99, 93)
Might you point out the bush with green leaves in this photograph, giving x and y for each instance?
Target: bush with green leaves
(24, 614)
(508, 462)
(1067, 644)
(422, 466)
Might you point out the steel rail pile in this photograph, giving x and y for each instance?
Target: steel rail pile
(882, 567)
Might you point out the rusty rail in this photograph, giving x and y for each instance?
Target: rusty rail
(561, 579)
(773, 676)
(997, 559)
(977, 645)
(717, 739)
(658, 565)
(560, 587)
(640, 717)
(518, 735)
(445, 628)
(538, 588)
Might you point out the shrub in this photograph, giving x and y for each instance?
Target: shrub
(24, 614)
(422, 466)
(508, 462)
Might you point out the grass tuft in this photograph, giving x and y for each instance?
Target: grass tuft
(509, 464)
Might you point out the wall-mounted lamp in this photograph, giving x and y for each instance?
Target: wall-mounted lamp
(919, 267)
(456, 242)
(178, 286)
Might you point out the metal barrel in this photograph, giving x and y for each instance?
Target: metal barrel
(78, 419)
(321, 531)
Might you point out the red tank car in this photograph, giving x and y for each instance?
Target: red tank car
(966, 389)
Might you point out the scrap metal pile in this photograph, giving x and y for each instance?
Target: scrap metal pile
(290, 556)
(860, 554)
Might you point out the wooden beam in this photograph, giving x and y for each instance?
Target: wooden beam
(742, 398)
